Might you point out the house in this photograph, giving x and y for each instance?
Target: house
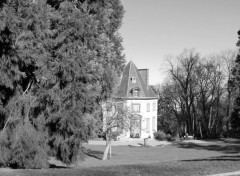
(135, 91)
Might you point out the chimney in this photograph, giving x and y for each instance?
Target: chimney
(144, 75)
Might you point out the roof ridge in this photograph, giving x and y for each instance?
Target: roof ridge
(128, 77)
(125, 85)
(139, 76)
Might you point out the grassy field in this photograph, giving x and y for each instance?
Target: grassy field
(175, 159)
(181, 168)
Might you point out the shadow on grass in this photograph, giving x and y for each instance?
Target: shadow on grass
(218, 158)
(134, 146)
(227, 149)
(230, 140)
(53, 166)
(95, 154)
(139, 145)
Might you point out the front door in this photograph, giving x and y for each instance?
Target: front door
(135, 126)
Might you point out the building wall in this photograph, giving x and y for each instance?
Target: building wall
(148, 117)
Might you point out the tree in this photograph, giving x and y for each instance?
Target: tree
(24, 31)
(228, 57)
(193, 98)
(60, 59)
(169, 119)
(209, 86)
(116, 119)
(235, 119)
(184, 79)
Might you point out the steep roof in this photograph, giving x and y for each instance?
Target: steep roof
(126, 85)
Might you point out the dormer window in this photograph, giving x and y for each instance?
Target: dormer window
(135, 92)
(133, 79)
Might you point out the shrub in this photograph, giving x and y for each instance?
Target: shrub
(159, 135)
(25, 148)
(134, 135)
(233, 134)
(169, 137)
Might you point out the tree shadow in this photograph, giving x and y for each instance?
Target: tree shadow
(95, 154)
(139, 145)
(230, 140)
(133, 146)
(224, 140)
(227, 149)
(53, 166)
(217, 158)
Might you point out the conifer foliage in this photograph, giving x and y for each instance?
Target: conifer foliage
(235, 82)
(58, 61)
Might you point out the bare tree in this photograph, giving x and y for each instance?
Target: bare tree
(169, 115)
(210, 77)
(195, 94)
(228, 57)
(116, 118)
(183, 76)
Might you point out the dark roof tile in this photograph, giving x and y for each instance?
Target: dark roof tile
(126, 85)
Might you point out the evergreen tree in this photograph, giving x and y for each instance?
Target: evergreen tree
(235, 118)
(24, 30)
(60, 59)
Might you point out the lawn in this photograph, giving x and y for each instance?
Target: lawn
(195, 167)
(175, 159)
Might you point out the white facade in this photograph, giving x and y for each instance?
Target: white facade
(135, 91)
(148, 114)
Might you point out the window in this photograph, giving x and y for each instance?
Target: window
(133, 79)
(148, 107)
(135, 92)
(148, 125)
(136, 108)
(153, 123)
(154, 106)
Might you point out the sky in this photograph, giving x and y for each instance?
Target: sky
(154, 29)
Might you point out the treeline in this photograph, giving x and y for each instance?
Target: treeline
(199, 95)
(59, 59)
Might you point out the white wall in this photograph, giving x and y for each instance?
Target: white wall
(145, 115)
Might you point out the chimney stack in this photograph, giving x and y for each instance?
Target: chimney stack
(145, 76)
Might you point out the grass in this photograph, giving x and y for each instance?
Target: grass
(176, 159)
(180, 168)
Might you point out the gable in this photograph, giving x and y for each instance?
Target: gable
(132, 81)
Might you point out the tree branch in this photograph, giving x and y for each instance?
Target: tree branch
(5, 125)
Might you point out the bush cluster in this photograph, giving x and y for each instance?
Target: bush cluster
(24, 149)
(232, 133)
(162, 136)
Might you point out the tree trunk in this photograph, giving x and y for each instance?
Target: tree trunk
(210, 122)
(194, 122)
(108, 149)
(106, 152)
(193, 127)
(200, 128)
